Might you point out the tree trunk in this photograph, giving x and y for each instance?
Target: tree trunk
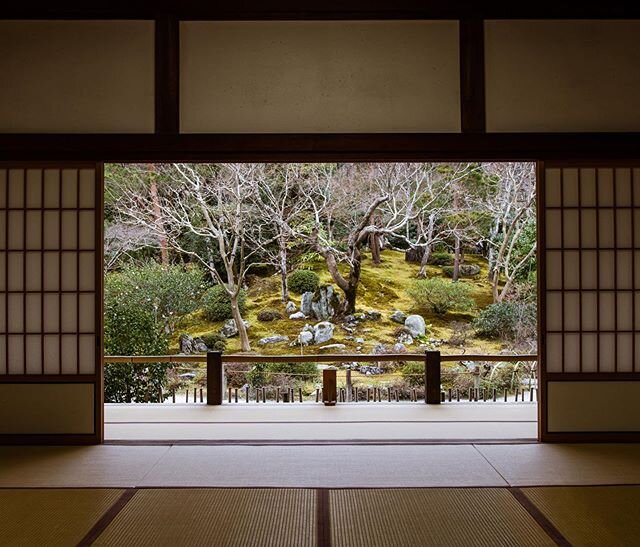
(284, 284)
(162, 238)
(245, 345)
(456, 259)
(374, 244)
(425, 260)
(349, 305)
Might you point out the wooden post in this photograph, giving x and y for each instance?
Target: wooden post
(329, 385)
(432, 377)
(215, 378)
(349, 386)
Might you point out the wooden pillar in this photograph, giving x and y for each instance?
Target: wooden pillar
(432, 377)
(329, 385)
(215, 378)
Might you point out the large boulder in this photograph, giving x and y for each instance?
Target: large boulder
(416, 325)
(186, 344)
(305, 337)
(398, 317)
(230, 330)
(275, 339)
(290, 307)
(323, 332)
(297, 316)
(323, 304)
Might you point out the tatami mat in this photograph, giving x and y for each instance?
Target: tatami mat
(438, 517)
(215, 517)
(51, 517)
(75, 466)
(591, 515)
(565, 464)
(322, 467)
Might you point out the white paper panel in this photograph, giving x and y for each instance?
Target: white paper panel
(553, 188)
(69, 230)
(33, 356)
(33, 315)
(69, 188)
(624, 232)
(51, 230)
(554, 353)
(87, 181)
(3, 188)
(562, 75)
(69, 304)
(34, 230)
(554, 311)
(51, 313)
(51, 271)
(15, 322)
(87, 313)
(589, 270)
(571, 270)
(572, 353)
(34, 188)
(3, 313)
(87, 271)
(15, 271)
(16, 354)
(588, 187)
(589, 353)
(3, 276)
(319, 76)
(589, 232)
(572, 311)
(625, 352)
(571, 228)
(16, 188)
(625, 311)
(607, 352)
(554, 270)
(623, 187)
(553, 229)
(87, 230)
(607, 269)
(606, 223)
(15, 237)
(77, 76)
(589, 311)
(570, 191)
(624, 270)
(51, 188)
(87, 354)
(3, 354)
(606, 310)
(69, 263)
(51, 354)
(69, 356)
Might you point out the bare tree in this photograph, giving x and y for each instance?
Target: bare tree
(279, 201)
(511, 208)
(212, 204)
(350, 203)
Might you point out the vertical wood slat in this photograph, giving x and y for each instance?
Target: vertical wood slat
(472, 76)
(167, 75)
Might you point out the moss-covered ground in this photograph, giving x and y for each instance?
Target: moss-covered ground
(382, 288)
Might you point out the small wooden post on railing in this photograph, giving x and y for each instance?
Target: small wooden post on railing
(432, 377)
(215, 378)
(329, 386)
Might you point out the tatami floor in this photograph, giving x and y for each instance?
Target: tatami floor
(361, 422)
(340, 495)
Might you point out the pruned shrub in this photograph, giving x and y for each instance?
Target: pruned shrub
(269, 315)
(465, 270)
(217, 304)
(282, 374)
(302, 281)
(440, 296)
(441, 259)
(214, 341)
(510, 320)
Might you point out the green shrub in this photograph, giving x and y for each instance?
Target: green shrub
(302, 281)
(269, 315)
(441, 259)
(217, 305)
(440, 296)
(214, 341)
(413, 374)
(466, 270)
(282, 374)
(507, 321)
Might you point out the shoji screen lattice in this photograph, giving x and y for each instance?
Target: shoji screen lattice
(50, 284)
(590, 316)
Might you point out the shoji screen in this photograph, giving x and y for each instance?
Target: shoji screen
(50, 304)
(590, 299)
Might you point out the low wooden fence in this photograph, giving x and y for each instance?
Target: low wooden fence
(329, 393)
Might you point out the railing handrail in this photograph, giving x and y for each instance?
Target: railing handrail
(327, 358)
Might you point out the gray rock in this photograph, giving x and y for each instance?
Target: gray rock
(297, 316)
(290, 307)
(304, 338)
(230, 330)
(330, 347)
(305, 303)
(323, 332)
(405, 338)
(398, 317)
(415, 325)
(275, 339)
(186, 344)
(325, 303)
(199, 346)
(379, 349)
(359, 340)
(372, 315)
(399, 348)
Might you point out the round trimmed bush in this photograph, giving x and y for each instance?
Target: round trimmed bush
(507, 321)
(214, 341)
(302, 281)
(217, 305)
(441, 259)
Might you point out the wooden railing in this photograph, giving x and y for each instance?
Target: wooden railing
(215, 367)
